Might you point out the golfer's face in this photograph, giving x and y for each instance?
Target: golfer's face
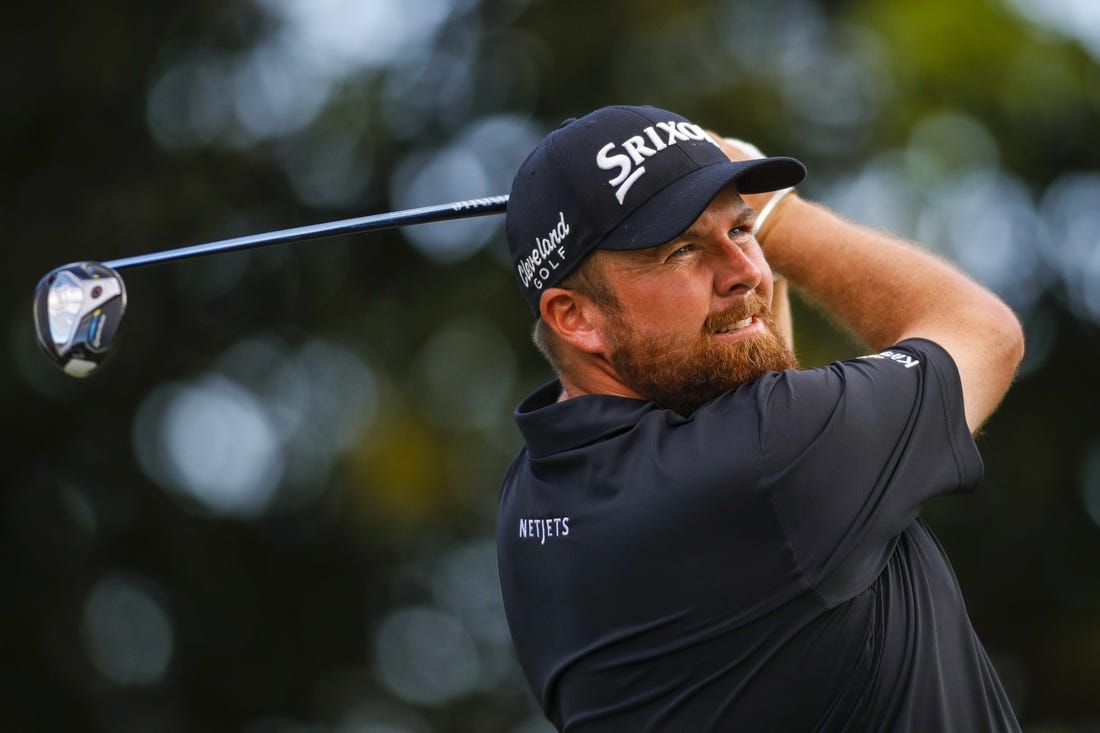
(701, 284)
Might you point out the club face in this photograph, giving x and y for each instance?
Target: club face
(77, 312)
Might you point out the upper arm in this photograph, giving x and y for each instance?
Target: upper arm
(887, 289)
(986, 344)
(852, 451)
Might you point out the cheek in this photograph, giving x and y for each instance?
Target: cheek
(677, 300)
(679, 308)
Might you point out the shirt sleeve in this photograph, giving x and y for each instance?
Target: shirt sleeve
(851, 451)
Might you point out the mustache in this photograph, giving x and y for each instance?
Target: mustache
(752, 304)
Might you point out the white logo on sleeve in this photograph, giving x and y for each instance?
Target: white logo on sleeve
(904, 359)
(543, 527)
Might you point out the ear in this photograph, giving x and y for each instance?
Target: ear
(575, 319)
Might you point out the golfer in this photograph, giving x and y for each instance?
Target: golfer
(699, 535)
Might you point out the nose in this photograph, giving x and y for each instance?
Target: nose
(737, 272)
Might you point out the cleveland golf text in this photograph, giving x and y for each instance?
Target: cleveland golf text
(546, 257)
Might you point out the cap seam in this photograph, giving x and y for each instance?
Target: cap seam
(577, 199)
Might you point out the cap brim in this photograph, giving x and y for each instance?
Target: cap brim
(676, 207)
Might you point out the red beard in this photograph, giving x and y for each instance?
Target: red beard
(684, 374)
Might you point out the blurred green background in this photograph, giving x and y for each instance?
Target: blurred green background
(271, 511)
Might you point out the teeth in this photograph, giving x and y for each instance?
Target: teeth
(736, 326)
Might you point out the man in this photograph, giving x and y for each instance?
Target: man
(698, 535)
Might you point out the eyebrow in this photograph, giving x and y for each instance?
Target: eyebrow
(747, 213)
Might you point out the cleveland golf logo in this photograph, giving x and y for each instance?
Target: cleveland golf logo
(547, 256)
(662, 135)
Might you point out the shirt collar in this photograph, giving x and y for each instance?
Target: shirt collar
(549, 426)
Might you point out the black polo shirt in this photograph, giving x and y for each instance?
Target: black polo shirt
(757, 566)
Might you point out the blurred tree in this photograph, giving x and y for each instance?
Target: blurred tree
(271, 510)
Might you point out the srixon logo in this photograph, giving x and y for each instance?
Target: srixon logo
(629, 156)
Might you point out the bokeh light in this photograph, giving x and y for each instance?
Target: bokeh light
(280, 85)
(1071, 213)
(480, 162)
(468, 373)
(127, 631)
(381, 716)
(212, 442)
(238, 451)
(1076, 19)
(426, 656)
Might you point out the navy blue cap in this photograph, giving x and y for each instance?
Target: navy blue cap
(620, 178)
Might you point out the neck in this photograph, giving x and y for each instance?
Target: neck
(602, 381)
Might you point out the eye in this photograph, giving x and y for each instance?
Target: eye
(741, 231)
(682, 251)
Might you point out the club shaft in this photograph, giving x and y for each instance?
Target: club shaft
(423, 215)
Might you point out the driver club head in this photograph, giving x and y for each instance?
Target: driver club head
(77, 311)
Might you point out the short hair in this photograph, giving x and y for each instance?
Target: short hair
(587, 280)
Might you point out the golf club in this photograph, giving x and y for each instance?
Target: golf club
(78, 307)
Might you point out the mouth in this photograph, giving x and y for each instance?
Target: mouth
(736, 325)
